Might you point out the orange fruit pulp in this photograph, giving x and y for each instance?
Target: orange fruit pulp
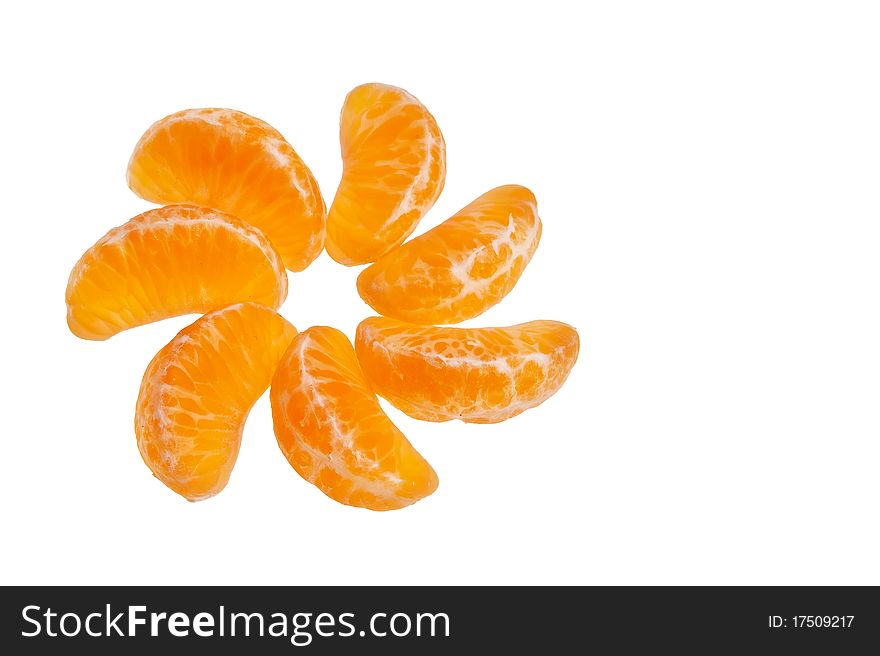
(231, 161)
(460, 268)
(394, 168)
(171, 261)
(478, 375)
(330, 427)
(197, 391)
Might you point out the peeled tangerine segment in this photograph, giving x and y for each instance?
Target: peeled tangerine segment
(462, 267)
(170, 261)
(393, 170)
(234, 162)
(198, 390)
(478, 375)
(331, 429)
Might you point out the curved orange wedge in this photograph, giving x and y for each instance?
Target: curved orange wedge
(171, 261)
(197, 392)
(331, 429)
(462, 267)
(393, 170)
(479, 375)
(234, 162)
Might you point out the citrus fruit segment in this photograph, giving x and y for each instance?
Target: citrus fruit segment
(331, 429)
(234, 162)
(171, 261)
(393, 170)
(460, 268)
(478, 375)
(197, 392)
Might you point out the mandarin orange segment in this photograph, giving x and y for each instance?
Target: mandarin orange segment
(197, 392)
(231, 161)
(330, 427)
(171, 261)
(478, 375)
(460, 268)
(394, 168)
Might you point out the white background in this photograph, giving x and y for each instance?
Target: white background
(707, 174)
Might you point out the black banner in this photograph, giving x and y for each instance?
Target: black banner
(439, 620)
